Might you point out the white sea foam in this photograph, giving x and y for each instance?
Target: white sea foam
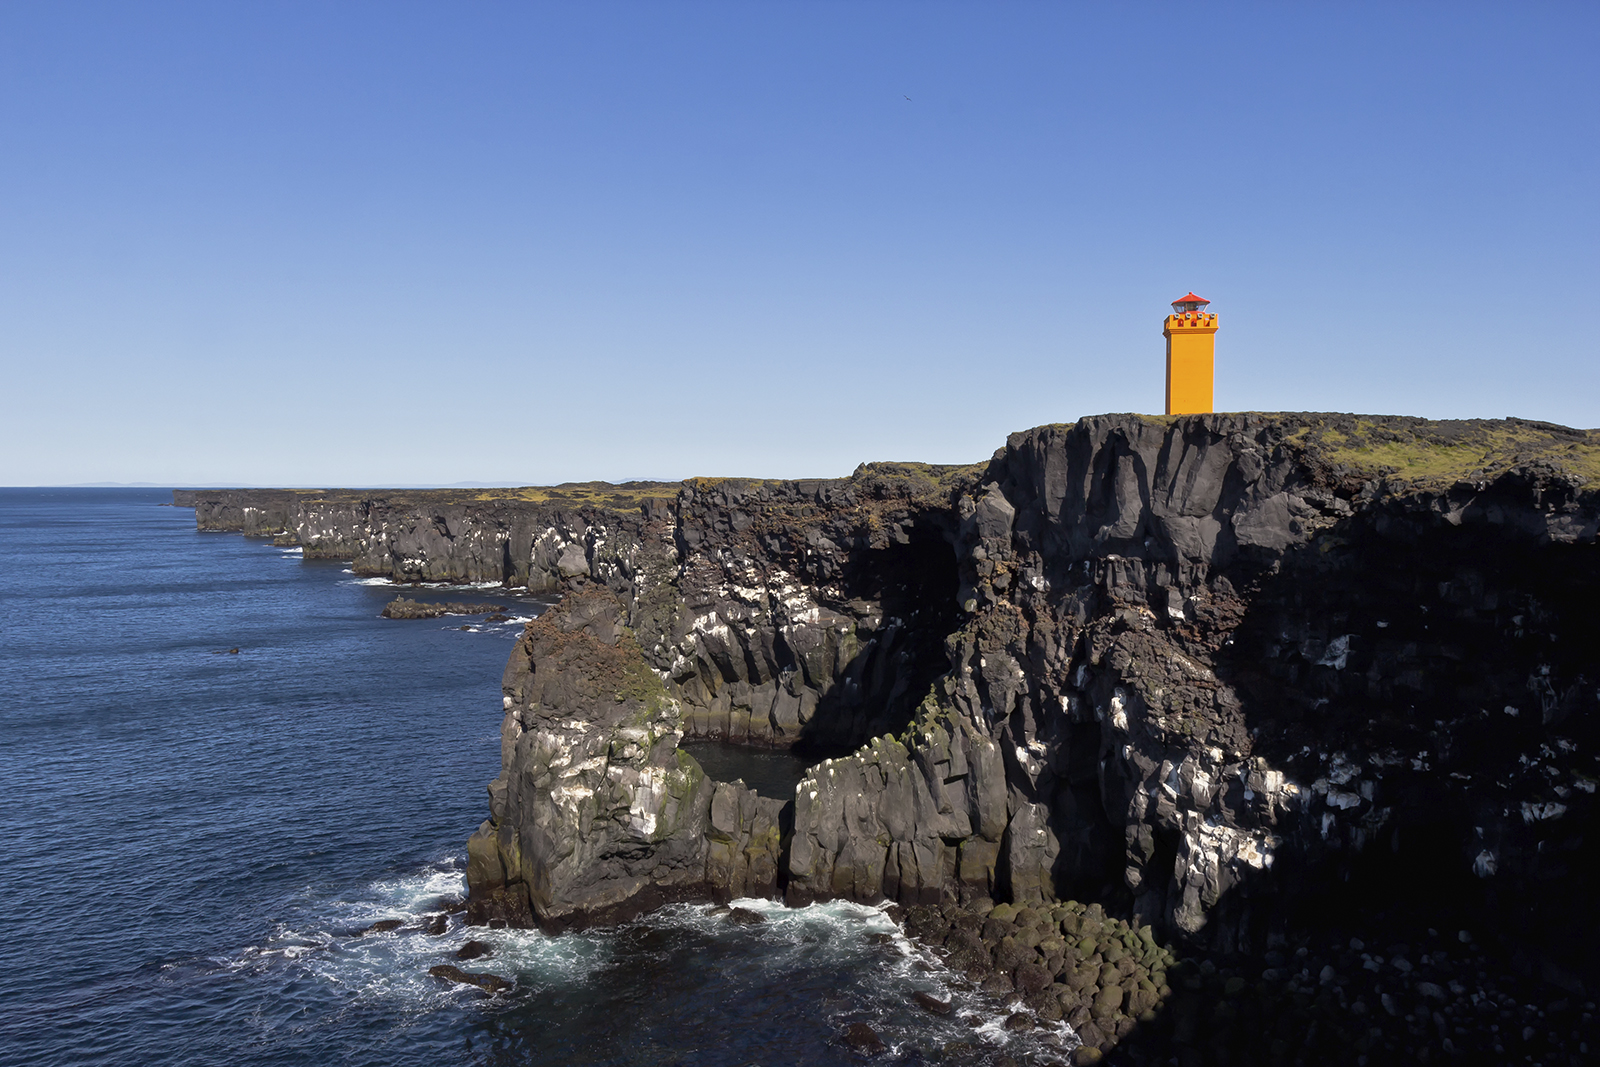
(392, 966)
(866, 937)
(445, 879)
(380, 580)
(297, 550)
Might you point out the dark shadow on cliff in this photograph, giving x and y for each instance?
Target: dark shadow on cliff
(1090, 865)
(914, 585)
(1468, 660)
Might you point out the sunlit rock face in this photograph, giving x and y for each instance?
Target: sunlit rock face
(536, 540)
(597, 814)
(781, 614)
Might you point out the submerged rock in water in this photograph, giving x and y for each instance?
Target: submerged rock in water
(745, 917)
(382, 926)
(435, 924)
(929, 1002)
(998, 984)
(473, 950)
(864, 1039)
(401, 608)
(491, 983)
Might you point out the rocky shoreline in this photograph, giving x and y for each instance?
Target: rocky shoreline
(1442, 997)
(1445, 996)
(1262, 686)
(1066, 962)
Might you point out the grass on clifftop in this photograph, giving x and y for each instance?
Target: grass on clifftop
(586, 494)
(918, 481)
(883, 480)
(1429, 452)
(1432, 453)
(568, 494)
(911, 480)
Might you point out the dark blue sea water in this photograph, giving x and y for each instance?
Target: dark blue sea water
(194, 839)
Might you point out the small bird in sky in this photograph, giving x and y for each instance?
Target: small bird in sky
(907, 97)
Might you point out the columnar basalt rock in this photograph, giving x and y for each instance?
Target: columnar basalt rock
(597, 813)
(1220, 664)
(809, 612)
(1201, 670)
(733, 644)
(1229, 671)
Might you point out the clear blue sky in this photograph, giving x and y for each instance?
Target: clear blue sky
(366, 244)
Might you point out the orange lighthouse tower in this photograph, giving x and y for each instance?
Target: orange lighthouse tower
(1191, 351)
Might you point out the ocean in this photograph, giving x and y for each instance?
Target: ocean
(196, 838)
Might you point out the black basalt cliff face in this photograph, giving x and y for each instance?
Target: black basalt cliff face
(1236, 682)
(531, 538)
(1205, 670)
(1227, 673)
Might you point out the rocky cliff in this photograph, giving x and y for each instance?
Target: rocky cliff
(533, 538)
(1226, 673)
(1212, 671)
(1236, 669)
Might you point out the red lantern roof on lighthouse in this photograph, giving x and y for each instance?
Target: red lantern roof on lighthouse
(1190, 298)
